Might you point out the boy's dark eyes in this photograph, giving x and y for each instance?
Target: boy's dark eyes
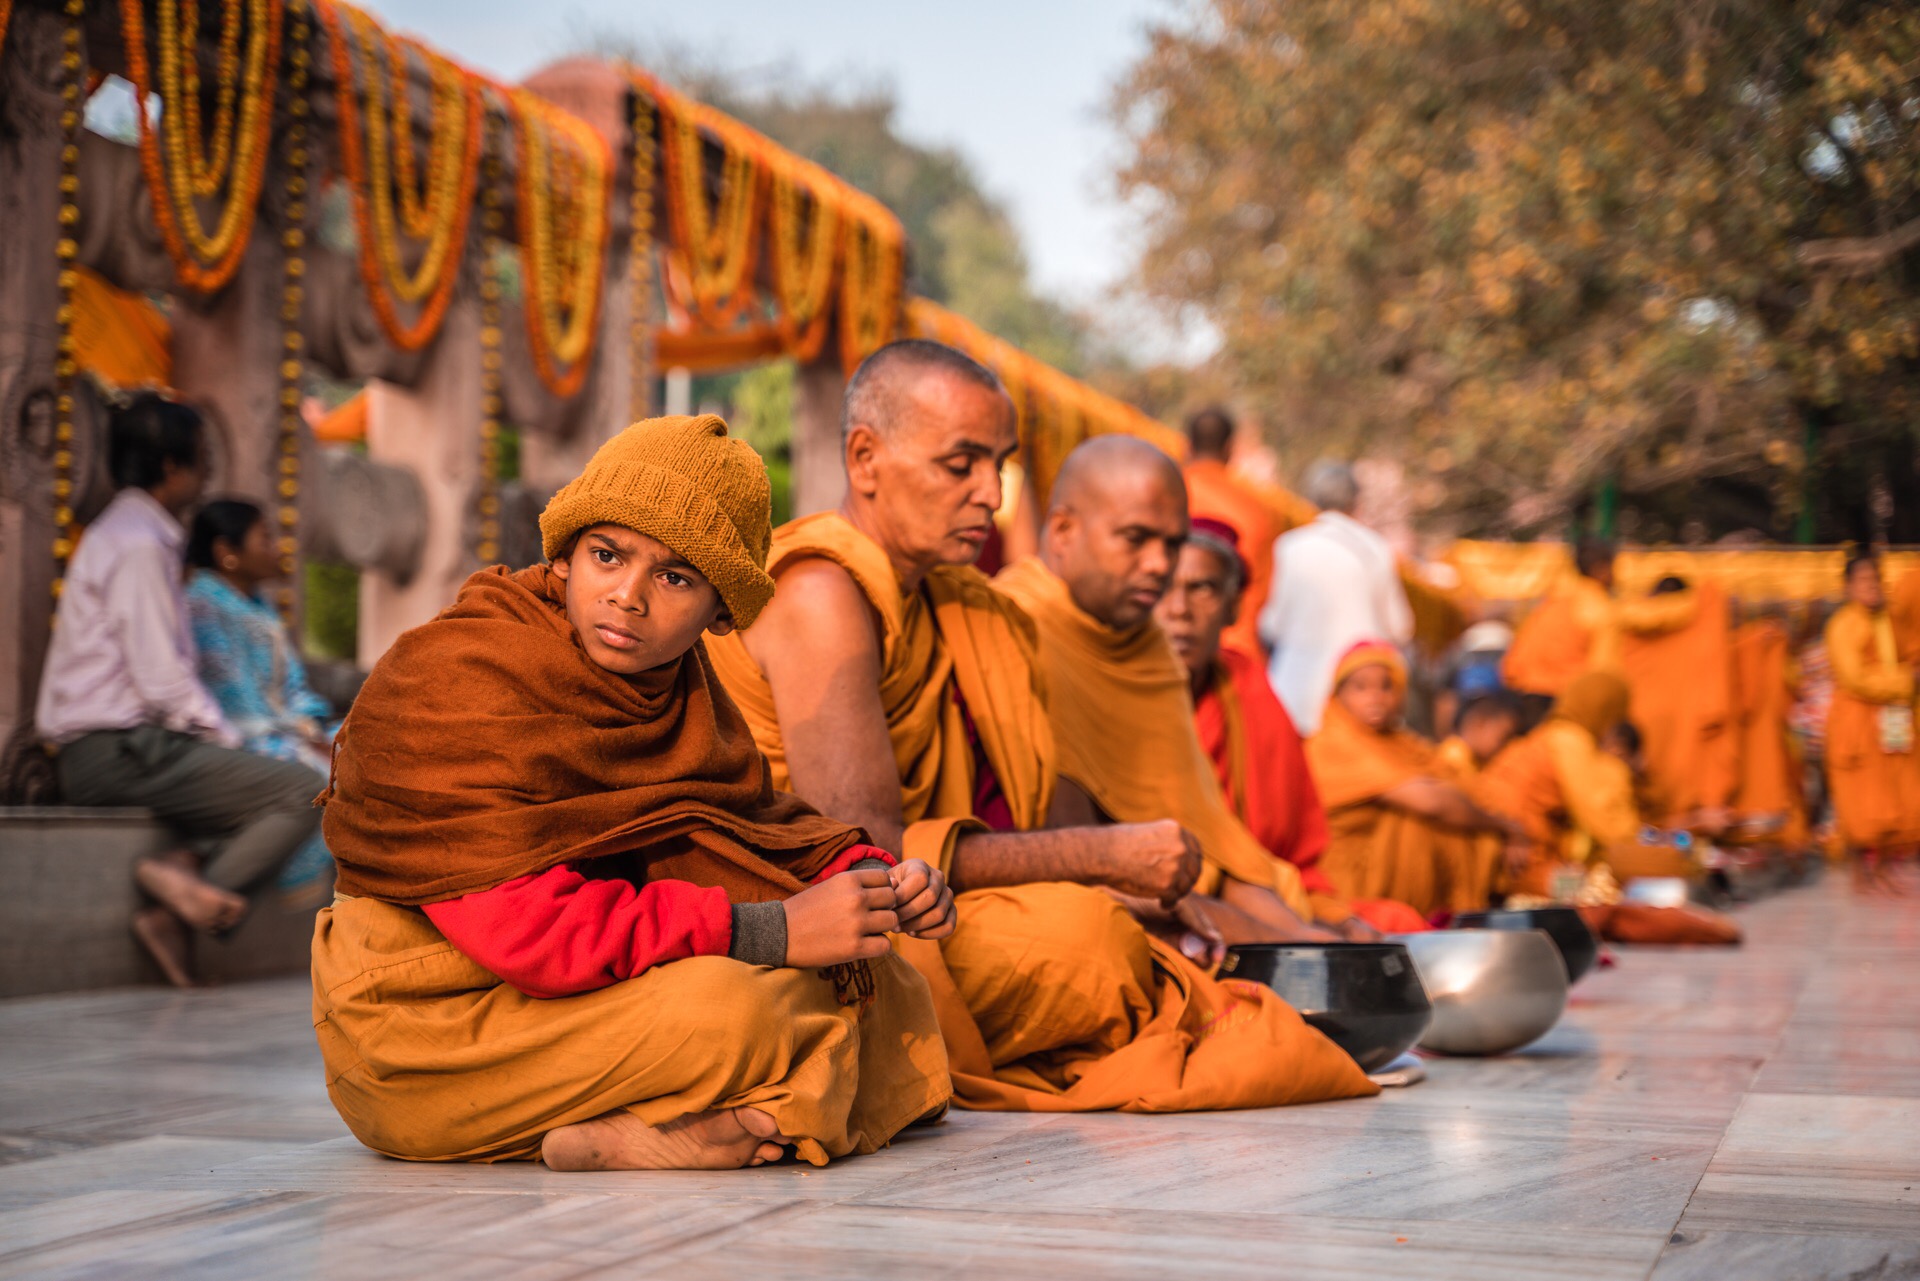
(677, 580)
(603, 555)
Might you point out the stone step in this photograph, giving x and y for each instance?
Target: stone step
(69, 894)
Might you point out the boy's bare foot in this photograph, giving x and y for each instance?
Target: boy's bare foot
(199, 903)
(720, 1140)
(165, 938)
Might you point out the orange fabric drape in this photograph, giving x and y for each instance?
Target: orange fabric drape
(1682, 703)
(119, 337)
(345, 425)
(1770, 767)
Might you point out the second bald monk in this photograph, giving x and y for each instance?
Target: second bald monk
(891, 685)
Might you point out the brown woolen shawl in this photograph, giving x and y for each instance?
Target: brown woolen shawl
(486, 745)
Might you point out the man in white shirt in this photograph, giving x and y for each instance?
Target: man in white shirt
(1335, 583)
(126, 715)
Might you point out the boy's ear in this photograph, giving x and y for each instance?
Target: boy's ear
(722, 623)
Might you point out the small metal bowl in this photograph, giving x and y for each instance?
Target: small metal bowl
(1564, 925)
(1365, 997)
(1492, 990)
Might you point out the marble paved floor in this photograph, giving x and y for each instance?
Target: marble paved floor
(1734, 1114)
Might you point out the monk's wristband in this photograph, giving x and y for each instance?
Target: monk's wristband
(759, 934)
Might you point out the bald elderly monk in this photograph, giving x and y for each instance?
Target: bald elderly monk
(574, 921)
(1116, 694)
(1256, 752)
(889, 684)
(1215, 493)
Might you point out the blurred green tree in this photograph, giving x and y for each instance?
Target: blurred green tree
(1538, 247)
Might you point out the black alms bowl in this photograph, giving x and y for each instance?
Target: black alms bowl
(1578, 948)
(1366, 997)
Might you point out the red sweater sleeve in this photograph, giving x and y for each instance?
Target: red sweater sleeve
(557, 933)
(844, 861)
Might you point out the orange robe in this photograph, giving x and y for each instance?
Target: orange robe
(1770, 768)
(1050, 997)
(1903, 606)
(1262, 767)
(1214, 491)
(1876, 792)
(1579, 628)
(1379, 850)
(1471, 881)
(1681, 680)
(1123, 720)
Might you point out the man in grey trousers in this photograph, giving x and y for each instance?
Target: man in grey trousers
(124, 711)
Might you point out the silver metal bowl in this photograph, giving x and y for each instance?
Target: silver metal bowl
(1657, 891)
(1492, 990)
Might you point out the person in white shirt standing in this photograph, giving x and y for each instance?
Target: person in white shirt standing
(126, 716)
(1335, 583)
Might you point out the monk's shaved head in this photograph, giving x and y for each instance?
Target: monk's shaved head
(1104, 465)
(924, 434)
(1116, 518)
(879, 394)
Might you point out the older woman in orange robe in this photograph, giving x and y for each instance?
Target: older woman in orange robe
(1397, 827)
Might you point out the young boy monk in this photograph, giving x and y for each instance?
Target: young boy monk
(574, 920)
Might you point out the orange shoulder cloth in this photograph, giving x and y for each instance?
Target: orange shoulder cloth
(1353, 764)
(955, 633)
(486, 745)
(1123, 719)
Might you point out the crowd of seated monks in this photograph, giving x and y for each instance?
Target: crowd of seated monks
(704, 844)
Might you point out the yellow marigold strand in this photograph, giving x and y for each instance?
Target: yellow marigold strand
(66, 249)
(202, 261)
(870, 285)
(206, 174)
(802, 283)
(487, 544)
(293, 273)
(453, 168)
(561, 199)
(640, 253)
(715, 246)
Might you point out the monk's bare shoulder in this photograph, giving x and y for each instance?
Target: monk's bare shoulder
(818, 614)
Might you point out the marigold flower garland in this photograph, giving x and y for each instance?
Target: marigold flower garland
(179, 167)
(293, 271)
(640, 248)
(871, 282)
(380, 156)
(487, 544)
(66, 249)
(802, 281)
(713, 245)
(562, 191)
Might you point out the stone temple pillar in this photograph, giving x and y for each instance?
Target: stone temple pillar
(819, 478)
(29, 300)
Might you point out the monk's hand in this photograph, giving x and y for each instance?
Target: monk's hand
(1199, 938)
(923, 899)
(1356, 930)
(843, 918)
(1158, 861)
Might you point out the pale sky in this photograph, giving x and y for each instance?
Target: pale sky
(1017, 87)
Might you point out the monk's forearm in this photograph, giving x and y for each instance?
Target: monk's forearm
(1080, 855)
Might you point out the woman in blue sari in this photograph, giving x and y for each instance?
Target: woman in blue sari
(247, 660)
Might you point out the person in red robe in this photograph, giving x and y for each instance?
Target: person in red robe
(1256, 751)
